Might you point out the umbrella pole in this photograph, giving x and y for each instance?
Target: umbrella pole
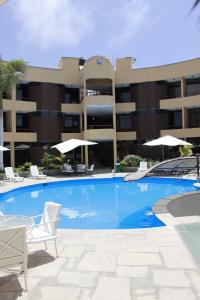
(198, 167)
(163, 152)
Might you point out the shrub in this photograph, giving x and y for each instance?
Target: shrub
(46, 160)
(59, 160)
(185, 150)
(131, 160)
(25, 166)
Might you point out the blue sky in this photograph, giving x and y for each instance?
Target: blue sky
(155, 32)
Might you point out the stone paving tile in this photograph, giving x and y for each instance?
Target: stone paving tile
(142, 283)
(131, 271)
(148, 249)
(155, 241)
(114, 244)
(53, 269)
(73, 251)
(85, 295)
(194, 278)
(177, 294)
(147, 297)
(77, 278)
(55, 293)
(145, 294)
(139, 259)
(71, 264)
(98, 261)
(110, 288)
(177, 257)
(170, 278)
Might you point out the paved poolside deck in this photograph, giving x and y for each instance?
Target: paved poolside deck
(143, 264)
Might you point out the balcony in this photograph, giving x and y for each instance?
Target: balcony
(99, 100)
(182, 133)
(178, 103)
(125, 107)
(20, 136)
(71, 135)
(25, 106)
(71, 108)
(126, 135)
(99, 134)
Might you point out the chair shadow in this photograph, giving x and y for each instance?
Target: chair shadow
(10, 287)
(39, 258)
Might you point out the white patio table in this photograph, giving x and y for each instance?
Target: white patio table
(15, 220)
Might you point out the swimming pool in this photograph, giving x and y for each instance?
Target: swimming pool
(107, 203)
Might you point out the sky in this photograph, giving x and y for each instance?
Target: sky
(154, 32)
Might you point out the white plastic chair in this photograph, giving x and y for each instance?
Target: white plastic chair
(46, 230)
(34, 173)
(67, 169)
(13, 249)
(81, 169)
(90, 170)
(11, 176)
(143, 166)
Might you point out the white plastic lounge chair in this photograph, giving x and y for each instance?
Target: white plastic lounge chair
(13, 249)
(34, 173)
(46, 230)
(67, 169)
(90, 170)
(11, 176)
(143, 166)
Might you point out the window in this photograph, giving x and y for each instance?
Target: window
(19, 120)
(99, 61)
(19, 94)
(175, 119)
(124, 122)
(72, 123)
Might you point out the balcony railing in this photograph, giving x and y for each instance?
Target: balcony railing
(120, 100)
(194, 125)
(22, 129)
(69, 130)
(71, 101)
(99, 93)
(26, 99)
(125, 129)
(7, 129)
(194, 93)
(101, 126)
(172, 96)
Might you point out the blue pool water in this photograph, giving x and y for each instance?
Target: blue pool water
(97, 203)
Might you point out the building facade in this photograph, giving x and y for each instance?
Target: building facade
(118, 106)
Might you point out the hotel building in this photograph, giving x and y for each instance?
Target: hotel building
(117, 106)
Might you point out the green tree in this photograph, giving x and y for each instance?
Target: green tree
(10, 74)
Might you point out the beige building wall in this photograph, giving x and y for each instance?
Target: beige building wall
(99, 68)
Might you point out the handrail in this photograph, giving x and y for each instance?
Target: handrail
(99, 126)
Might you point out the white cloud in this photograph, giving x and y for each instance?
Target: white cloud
(53, 22)
(129, 18)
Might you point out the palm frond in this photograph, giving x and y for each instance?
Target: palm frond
(197, 2)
